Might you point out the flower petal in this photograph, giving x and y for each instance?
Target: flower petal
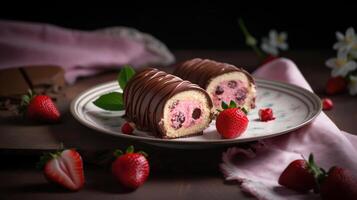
(283, 46)
(339, 36)
(331, 63)
(283, 36)
(267, 48)
(338, 45)
(342, 54)
(352, 85)
(350, 66)
(273, 34)
(350, 32)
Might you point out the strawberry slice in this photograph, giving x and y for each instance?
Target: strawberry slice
(64, 168)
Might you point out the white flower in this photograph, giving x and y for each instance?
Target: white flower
(275, 42)
(341, 65)
(346, 42)
(352, 85)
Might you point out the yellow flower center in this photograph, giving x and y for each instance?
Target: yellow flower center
(349, 39)
(341, 62)
(280, 39)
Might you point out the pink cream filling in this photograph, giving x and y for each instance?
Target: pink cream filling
(185, 113)
(229, 90)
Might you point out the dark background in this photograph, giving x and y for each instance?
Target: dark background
(202, 25)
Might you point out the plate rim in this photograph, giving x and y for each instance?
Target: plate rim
(152, 140)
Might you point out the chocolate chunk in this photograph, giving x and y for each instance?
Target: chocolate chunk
(232, 84)
(219, 90)
(177, 120)
(196, 114)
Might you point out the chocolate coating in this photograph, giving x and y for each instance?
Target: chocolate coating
(145, 96)
(202, 71)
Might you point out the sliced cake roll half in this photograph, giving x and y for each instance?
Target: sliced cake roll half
(222, 81)
(166, 105)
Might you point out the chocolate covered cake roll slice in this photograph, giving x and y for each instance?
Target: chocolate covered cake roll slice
(166, 105)
(222, 81)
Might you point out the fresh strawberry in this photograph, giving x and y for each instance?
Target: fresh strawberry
(231, 122)
(327, 104)
(130, 169)
(336, 85)
(268, 59)
(127, 128)
(339, 184)
(64, 168)
(266, 114)
(40, 108)
(301, 175)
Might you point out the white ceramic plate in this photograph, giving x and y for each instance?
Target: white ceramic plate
(293, 108)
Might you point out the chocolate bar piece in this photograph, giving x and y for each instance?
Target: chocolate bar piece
(166, 105)
(15, 82)
(222, 81)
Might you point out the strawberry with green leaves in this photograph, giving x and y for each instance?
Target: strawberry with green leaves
(39, 108)
(131, 169)
(232, 121)
(64, 168)
(302, 175)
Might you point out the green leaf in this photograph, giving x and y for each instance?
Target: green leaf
(118, 153)
(126, 73)
(111, 101)
(244, 110)
(224, 105)
(232, 104)
(143, 153)
(130, 149)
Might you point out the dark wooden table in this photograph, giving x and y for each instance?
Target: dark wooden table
(176, 174)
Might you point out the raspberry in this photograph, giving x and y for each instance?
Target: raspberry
(327, 104)
(127, 128)
(266, 114)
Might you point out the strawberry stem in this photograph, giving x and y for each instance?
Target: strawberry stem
(117, 153)
(143, 153)
(318, 172)
(130, 149)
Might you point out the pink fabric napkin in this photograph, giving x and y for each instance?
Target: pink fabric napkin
(258, 168)
(80, 53)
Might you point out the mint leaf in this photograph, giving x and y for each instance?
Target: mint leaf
(125, 75)
(111, 101)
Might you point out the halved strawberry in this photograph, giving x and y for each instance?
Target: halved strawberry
(130, 169)
(64, 168)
